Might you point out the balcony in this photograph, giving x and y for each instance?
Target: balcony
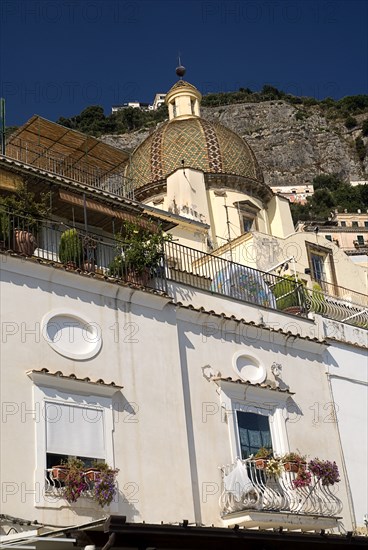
(361, 243)
(96, 255)
(220, 276)
(87, 253)
(56, 487)
(254, 498)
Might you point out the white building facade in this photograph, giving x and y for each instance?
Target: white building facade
(179, 380)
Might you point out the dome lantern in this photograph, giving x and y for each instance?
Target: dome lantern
(183, 100)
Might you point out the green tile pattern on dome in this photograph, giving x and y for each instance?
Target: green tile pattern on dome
(211, 148)
(186, 142)
(237, 156)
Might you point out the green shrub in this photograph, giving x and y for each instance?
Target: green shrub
(365, 128)
(289, 292)
(351, 122)
(71, 248)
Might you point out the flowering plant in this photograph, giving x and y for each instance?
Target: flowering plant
(303, 479)
(294, 457)
(104, 488)
(274, 466)
(74, 481)
(324, 470)
(263, 452)
(140, 247)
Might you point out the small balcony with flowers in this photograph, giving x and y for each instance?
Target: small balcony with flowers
(289, 492)
(74, 479)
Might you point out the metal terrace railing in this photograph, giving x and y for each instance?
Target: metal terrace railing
(57, 243)
(247, 487)
(343, 293)
(77, 249)
(40, 157)
(221, 276)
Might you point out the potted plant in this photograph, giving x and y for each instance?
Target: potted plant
(4, 227)
(274, 466)
(89, 253)
(325, 471)
(93, 472)
(303, 479)
(290, 294)
(71, 249)
(140, 252)
(74, 481)
(293, 462)
(104, 489)
(262, 456)
(59, 472)
(21, 214)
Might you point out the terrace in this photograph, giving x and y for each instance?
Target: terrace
(103, 257)
(53, 149)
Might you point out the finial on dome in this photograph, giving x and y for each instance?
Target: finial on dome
(180, 70)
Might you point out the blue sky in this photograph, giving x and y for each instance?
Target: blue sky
(59, 56)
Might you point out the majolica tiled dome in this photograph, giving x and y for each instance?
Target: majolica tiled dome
(211, 148)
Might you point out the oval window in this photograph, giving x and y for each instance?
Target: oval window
(248, 368)
(71, 336)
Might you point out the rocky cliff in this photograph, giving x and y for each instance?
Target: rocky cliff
(292, 144)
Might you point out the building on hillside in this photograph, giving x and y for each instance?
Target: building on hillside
(191, 369)
(348, 230)
(133, 104)
(295, 193)
(158, 101)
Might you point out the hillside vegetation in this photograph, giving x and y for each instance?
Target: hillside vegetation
(92, 120)
(330, 193)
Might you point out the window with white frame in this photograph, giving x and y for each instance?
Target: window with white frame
(256, 418)
(75, 419)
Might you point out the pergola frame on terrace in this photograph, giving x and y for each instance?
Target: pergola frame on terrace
(69, 144)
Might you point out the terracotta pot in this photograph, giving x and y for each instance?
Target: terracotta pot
(59, 472)
(138, 278)
(294, 466)
(89, 266)
(24, 242)
(92, 474)
(294, 310)
(291, 467)
(261, 463)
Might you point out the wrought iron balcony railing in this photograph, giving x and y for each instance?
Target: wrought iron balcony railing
(103, 256)
(83, 252)
(246, 487)
(56, 486)
(221, 276)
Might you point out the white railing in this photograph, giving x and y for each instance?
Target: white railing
(336, 308)
(246, 487)
(56, 487)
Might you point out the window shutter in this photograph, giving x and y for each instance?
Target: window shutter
(74, 430)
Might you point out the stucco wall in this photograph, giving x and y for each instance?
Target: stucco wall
(166, 449)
